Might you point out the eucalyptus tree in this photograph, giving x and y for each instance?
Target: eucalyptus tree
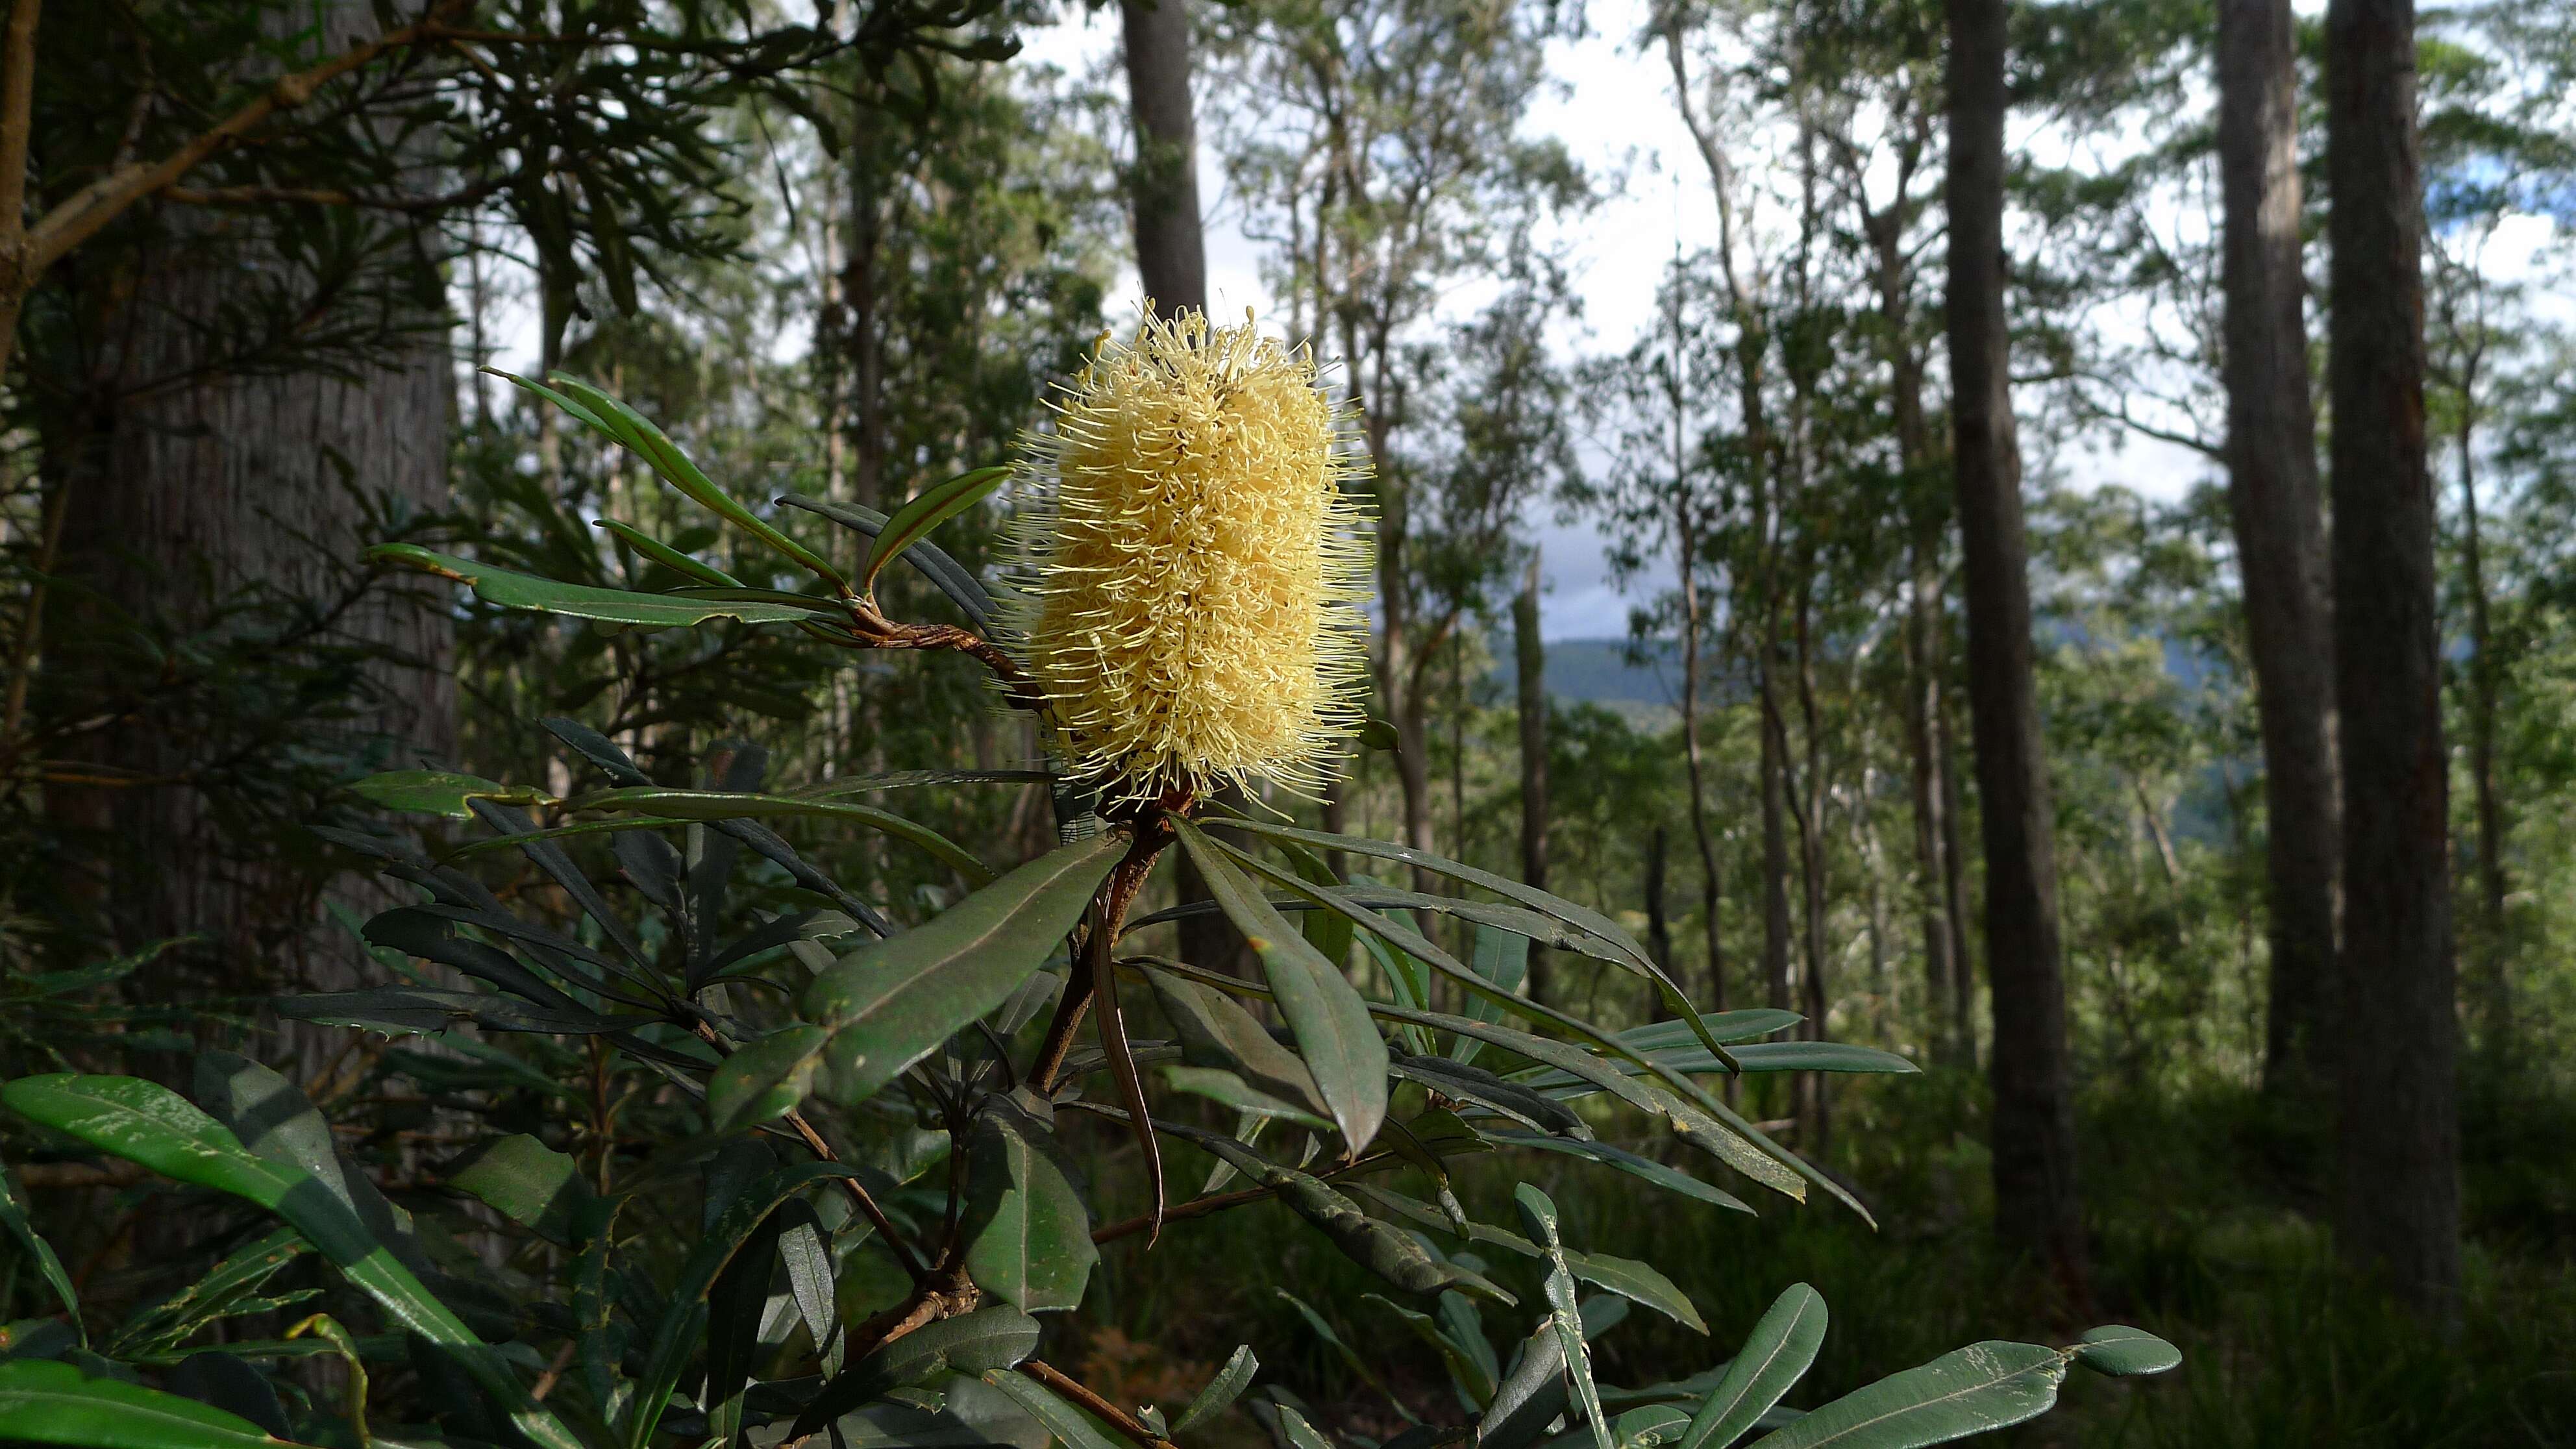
(2397, 1200)
(2033, 1125)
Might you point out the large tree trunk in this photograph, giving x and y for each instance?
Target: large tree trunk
(2037, 1209)
(1171, 255)
(194, 492)
(2398, 1198)
(2280, 529)
(1529, 655)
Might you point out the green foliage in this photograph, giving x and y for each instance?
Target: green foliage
(669, 1280)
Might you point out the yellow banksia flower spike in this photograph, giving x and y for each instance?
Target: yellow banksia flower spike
(1191, 568)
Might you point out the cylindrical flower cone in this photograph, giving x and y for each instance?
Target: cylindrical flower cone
(1191, 568)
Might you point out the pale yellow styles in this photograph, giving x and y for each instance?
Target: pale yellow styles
(1191, 567)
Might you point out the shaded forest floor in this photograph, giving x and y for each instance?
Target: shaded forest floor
(2201, 1212)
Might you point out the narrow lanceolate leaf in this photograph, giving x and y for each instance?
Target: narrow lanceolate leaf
(44, 1401)
(676, 1336)
(1382, 1249)
(892, 1002)
(1639, 1283)
(1503, 959)
(1773, 1358)
(1221, 1391)
(655, 447)
(442, 792)
(1063, 1420)
(1538, 1215)
(13, 1215)
(1470, 1374)
(1767, 1056)
(2124, 1352)
(1028, 1239)
(945, 573)
(1528, 1398)
(1217, 1033)
(1228, 1090)
(1668, 1178)
(151, 1125)
(1324, 1011)
(1969, 1391)
(671, 804)
(531, 1184)
(972, 1343)
(513, 590)
(667, 556)
(928, 509)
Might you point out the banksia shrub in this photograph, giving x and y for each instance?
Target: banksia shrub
(1191, 570)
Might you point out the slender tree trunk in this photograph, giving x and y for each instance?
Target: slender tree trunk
(2492, 987)
(2037, 1208)
(2398, 1197)
(1529, 655)
(2280, 528)
(1171, 257)
(1659, 921)
(1694, 758)
(1954, 881)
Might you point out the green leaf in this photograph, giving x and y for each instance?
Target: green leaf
(45, 1401)
(1969, 1391)
(1690, 1123)
(1538, 1215)
(531, 1184)
(1067, 1423)
(1471, 1375)
(442, 792)
(1530, 1397)
(1726, 1026)
(655, 447)
(928, 509)
(1768, 1056)
(1324, 1012)
(945, 573)
(766, 1080)
(151, 1125)
(1221, 1391)
(1668, 1178)
(686, 1308)
(407, 1010)
(1217, 1032)
(1639, 1283)
(1502, 958)
(1467, 1083)
(1229, 1090)
(1774, 1357)
(972, 1343)
(667, 556)
(223, 1289)
(1359, 1367)
(13, 1216)
(1028, 1238)
(2124, 1352)
(672, 804)
(581, 601)
(1389, 1253)
(892, 1002)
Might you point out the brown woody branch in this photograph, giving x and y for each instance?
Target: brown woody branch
(1072, 1388)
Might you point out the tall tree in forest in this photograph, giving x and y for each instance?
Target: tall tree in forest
(2397, 1199)
(2037, 1209)
(1529, 659)
(1877, 69)
(1163, 189)
(1756, 612)
(2273, 499)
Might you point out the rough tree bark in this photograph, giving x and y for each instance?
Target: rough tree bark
(2397, 1208)
(2280, 528)
(2037, 1209)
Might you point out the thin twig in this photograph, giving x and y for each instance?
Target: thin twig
(1109, 1413)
